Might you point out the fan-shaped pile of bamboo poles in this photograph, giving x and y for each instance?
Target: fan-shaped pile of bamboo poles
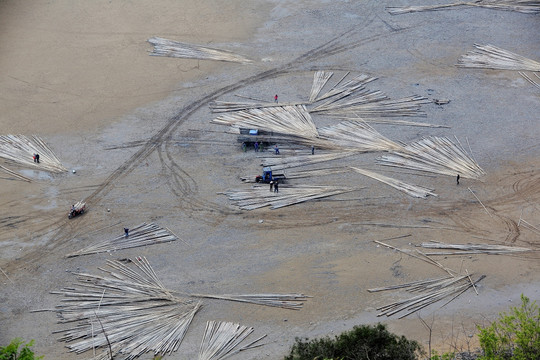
(432, 291)
(21, 149)
(14, 174)
(437, 155)
(522, 6)
(492, 57)
(357, 136)
(259, 197)
(222, 339)
(464, 249)
(170, 48)
(131, 310)
(294, 120)
(412, 190)
(281, 163)
(141, 235)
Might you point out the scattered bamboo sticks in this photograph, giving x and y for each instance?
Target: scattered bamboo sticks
(141, 235)
(259, 197)
(14, 174)
(170, 48)
(492, 57)
(522, 6)
(412, 190)
(436, 289)
(21, 149)
(530, 80)
(221, 340)
(357, 136)
(472, 249)
(437, 155)
(293, 120)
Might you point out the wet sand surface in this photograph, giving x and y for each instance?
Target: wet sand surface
(137, 130)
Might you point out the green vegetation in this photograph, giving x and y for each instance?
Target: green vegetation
(361, 343)
(515, 335)
(12, 351)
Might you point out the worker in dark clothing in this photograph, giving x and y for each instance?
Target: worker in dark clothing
(244, 146)
(276, 149)
(276, 187)
(126, 232)
(312, 150)
(256, 146)
(37, 158)
(457, 179)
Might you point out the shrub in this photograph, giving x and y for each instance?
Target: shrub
(361, 343)
(515, 335)
(11, 352)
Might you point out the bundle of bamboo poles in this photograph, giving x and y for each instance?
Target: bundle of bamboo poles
(259, 197)
(232, 106)
(357, 136)
(281, 163)
(320, 78)
(294, 120)
(412, 190)
(21, 149)
(408, 106)
(315, 173)
(170, 48)
(472, 249)
(492, 57)
(432, 291)
(390, 121)
(142, 235)
(437, 155)
(222, 339)
(131, 309)
(522, 6)
(14, 174)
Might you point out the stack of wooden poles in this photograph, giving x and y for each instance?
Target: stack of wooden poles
(259, 197)
(142, 235)
(170, 48)
(492, 57)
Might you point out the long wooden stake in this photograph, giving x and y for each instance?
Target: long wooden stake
(6, 276)
(480, 202)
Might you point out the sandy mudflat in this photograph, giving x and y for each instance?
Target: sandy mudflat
(136, 129)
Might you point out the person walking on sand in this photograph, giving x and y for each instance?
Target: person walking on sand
(256, 146)
(312, 150)
(276, 187)
(37, 158)
(244, 147)
(126, 232)
(276, 149)
(457, 179)
(275, 99)
(271, 186)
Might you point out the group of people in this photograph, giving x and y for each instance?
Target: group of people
(36, 158)
(274, 185)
